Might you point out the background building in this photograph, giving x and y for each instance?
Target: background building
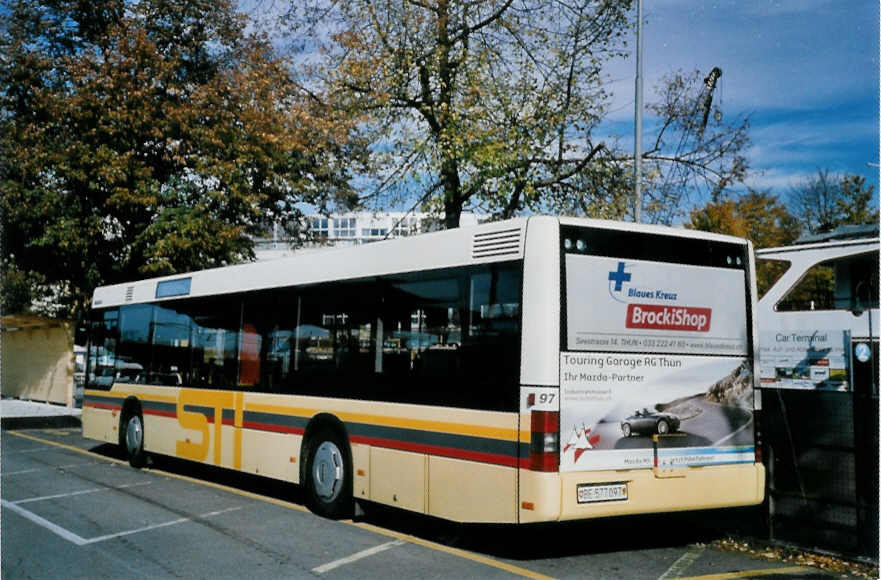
(346, 229)
(37, 359)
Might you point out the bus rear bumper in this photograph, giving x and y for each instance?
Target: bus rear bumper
(693, 488)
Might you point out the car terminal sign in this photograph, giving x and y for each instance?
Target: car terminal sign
(654, 348)
(805, 358)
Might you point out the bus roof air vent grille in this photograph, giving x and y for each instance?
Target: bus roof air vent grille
(129, 293)
(497, 243)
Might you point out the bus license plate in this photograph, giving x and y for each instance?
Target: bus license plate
(591, 492)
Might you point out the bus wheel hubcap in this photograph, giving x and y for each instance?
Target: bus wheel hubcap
(327, 471)
(134, 435)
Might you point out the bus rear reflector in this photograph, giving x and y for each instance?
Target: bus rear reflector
(544, 443)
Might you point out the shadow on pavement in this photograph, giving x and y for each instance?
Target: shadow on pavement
(525, 542)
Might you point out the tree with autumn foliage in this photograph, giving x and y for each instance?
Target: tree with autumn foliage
(821, 204)
(756, 215)
(495, 106)
(146, 138)
(827, 201)
(490, 103)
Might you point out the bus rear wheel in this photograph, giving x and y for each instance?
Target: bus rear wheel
(133, 439)
(328, 475)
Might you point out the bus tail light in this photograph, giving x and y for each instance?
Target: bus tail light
(544, 444)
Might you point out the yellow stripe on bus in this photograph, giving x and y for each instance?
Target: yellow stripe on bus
(505, 433)
(158, 399)
(112, 394)
(119, 394)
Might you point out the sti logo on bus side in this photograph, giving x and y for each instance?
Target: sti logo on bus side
(658, 316)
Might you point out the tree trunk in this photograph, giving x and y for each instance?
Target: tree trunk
(452, 194)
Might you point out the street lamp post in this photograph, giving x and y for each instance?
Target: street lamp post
(637, 145)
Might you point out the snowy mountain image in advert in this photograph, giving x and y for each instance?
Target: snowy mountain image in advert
(735, 389)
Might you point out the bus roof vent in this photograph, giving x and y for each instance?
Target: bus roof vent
(497, 243)
(129, 293)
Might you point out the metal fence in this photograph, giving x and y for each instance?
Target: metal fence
(822, 458)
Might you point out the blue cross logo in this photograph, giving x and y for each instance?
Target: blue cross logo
(619, 276)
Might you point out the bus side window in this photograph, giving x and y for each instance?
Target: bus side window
(491, 355)
(170, 342)
(249, 356)
(268, 343)
(135, 352)
(214, 342)
(103, 342)
(336, 340)
(422, 332)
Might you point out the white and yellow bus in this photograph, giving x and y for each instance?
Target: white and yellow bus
(536, 369)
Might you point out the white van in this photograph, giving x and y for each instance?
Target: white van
(822, 312)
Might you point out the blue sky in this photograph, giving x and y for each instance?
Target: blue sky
(805, 72)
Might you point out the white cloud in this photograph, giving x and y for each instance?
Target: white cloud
(778, 179)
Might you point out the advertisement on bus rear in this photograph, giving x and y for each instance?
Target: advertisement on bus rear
(641, 306)
(656, 366)
(613, 404)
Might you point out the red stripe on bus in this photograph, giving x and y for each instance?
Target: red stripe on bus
(273, 427)
(171, 414)
(450, 452)
(108, 406)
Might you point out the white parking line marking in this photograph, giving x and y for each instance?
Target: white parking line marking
(54, 528)
(464, 554)
(156, 526)
(23, 471)
(355, 557)
(683, 563)
(34, 450)
(80, 541)
(82, 492)
(35, 469)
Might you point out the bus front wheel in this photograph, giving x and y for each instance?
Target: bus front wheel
(328, 475)
(133, 439)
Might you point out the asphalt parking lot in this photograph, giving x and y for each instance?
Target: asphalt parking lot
(71, 508)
